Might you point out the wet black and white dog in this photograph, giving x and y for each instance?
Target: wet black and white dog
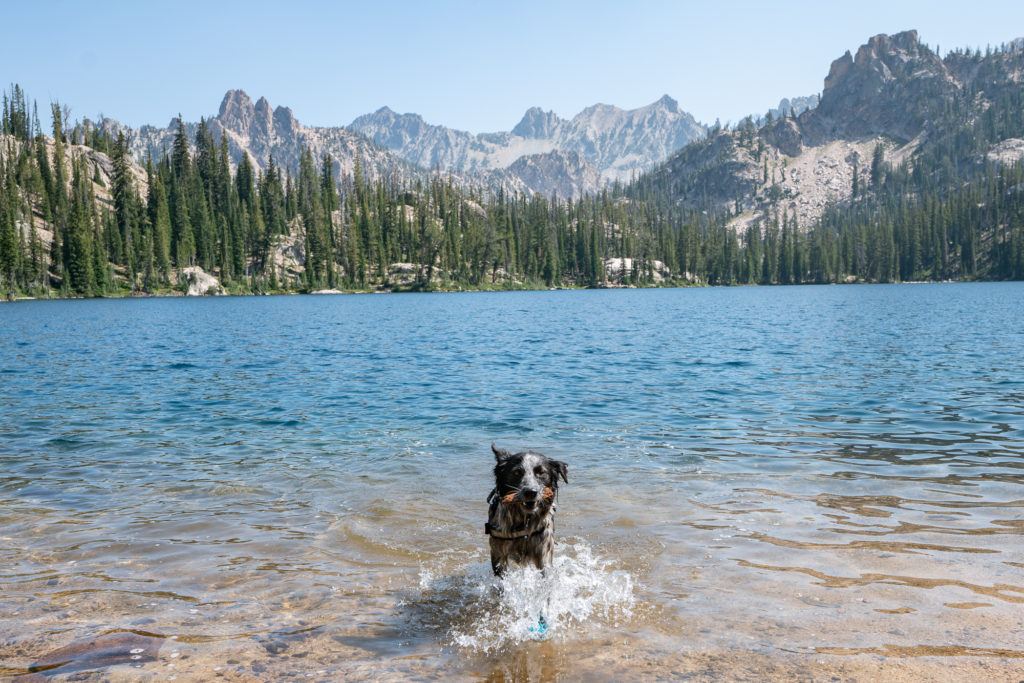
(520, 519)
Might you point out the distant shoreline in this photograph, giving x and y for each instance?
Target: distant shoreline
(466, 290)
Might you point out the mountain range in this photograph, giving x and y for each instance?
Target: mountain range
(263, 132)
(542, 153)
(884, 94)
(616, 143)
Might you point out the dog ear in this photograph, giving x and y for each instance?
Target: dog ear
(500, 453)
(561, 470)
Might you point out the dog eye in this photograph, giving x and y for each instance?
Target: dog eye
(538, 470)
(518, 471)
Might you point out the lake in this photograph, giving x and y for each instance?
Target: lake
(764, 482)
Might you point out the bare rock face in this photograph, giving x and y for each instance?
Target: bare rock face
(785, 135)
(567, 174)
(199, 282)
(537, 123)
(891, 87)
(1007, 152)
(286, 126)
(404, 274)
(288, 257)
(237, 111)
(288, 253)
(617, 268)
(263, 121)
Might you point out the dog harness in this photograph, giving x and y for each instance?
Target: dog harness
(517, 534)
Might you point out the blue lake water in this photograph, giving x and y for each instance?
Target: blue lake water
(285, 486)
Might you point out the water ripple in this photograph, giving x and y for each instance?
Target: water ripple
(825, 470)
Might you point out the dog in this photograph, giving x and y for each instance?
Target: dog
(520, 516)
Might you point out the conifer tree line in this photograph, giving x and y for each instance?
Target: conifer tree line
(79, 217)
(197, 210)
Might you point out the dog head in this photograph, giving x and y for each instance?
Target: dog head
(529, 479)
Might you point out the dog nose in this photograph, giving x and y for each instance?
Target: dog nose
(529, 494)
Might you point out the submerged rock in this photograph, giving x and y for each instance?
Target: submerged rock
(103, 651)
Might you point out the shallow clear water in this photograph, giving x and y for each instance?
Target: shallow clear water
(295, 486)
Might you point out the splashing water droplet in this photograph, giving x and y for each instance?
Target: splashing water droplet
(486, 614)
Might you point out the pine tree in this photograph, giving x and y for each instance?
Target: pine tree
(160, 219)
(123, 195)
(8, 231)
(877, 166)
(80, 259)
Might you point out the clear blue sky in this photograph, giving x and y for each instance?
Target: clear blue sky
(472, 65)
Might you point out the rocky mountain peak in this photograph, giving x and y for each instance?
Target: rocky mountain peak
(263, 108)
(840, 67)
(881, 90)
(886, 57)
(906, 42)
(537, 124)
(285, 122)
(385, 117)
(236, 110)
(668, 103)
(262, 118)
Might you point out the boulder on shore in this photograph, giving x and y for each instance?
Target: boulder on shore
(199, 282)
(616, 267)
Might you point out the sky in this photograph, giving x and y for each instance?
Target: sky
(476, 66)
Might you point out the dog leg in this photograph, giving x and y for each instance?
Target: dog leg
(543, 560)
(499, 561)
(543, 556)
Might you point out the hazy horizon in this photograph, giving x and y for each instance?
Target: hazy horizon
(474, 68)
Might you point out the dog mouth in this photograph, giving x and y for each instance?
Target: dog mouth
(529, 504)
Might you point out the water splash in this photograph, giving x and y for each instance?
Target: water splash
(486, 614)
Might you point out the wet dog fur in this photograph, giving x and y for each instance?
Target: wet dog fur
(520, 518)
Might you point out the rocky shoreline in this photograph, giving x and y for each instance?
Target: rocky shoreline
(221, 292)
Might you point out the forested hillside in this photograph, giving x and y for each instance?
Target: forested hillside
(80, 219)
(908, 169)
(923, 157)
